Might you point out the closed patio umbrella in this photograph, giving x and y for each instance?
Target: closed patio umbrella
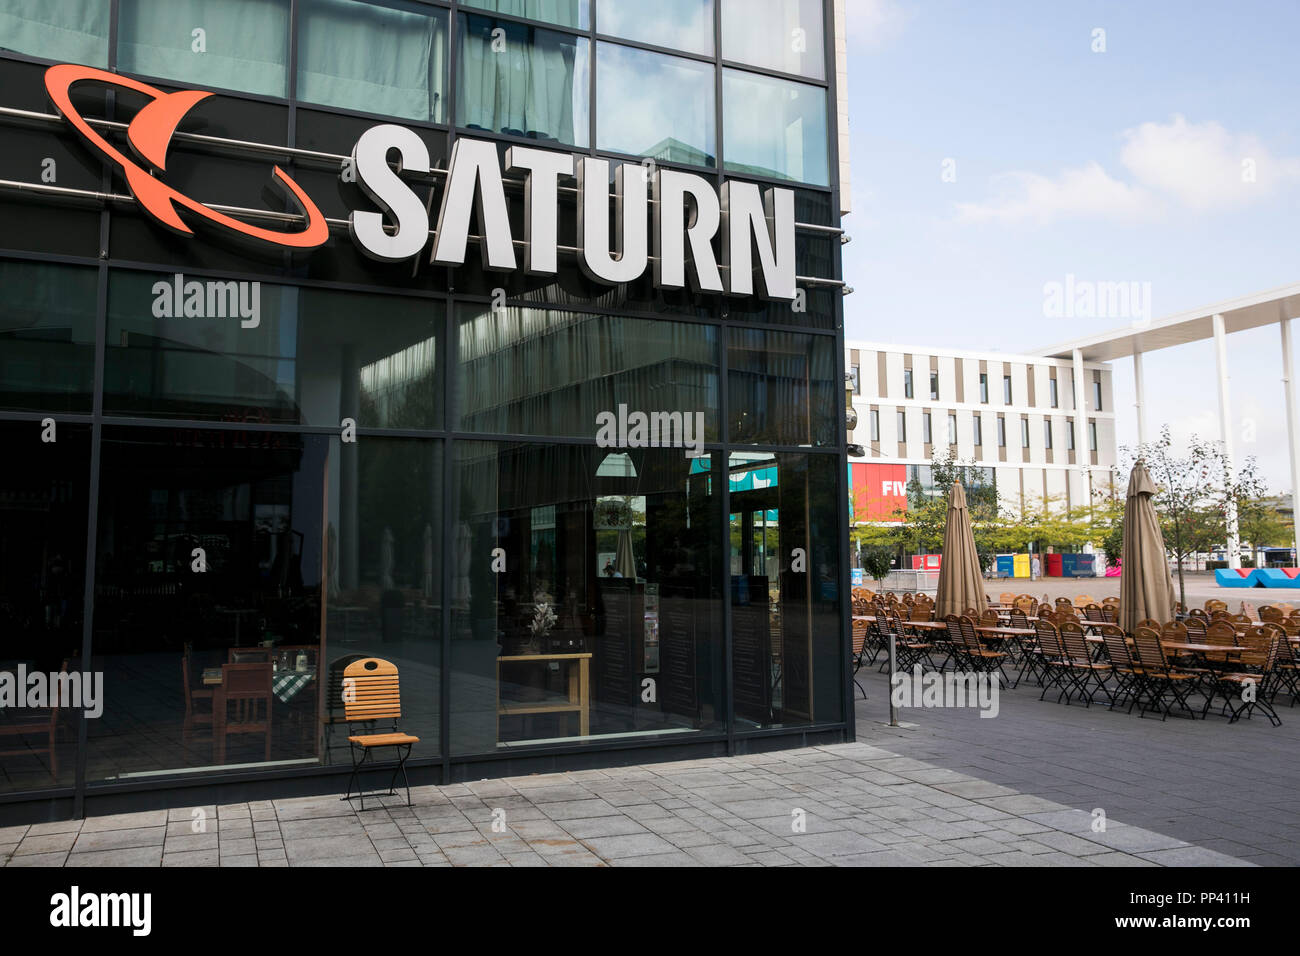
(624, 557)
(961, 585)
(1146, 589)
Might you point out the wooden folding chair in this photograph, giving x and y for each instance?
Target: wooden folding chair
(370, 693)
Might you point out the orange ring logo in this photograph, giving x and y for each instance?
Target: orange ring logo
(149, 134)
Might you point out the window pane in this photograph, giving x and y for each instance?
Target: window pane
(534, 85)
(934, 386)
(782, 388)
(782, 35)
(875, 425)
(47, 337)
(566, 13)
(308, 359)
(979, 430)
(785, 620)
(287, 523)
(43, 507)
(649, 104)
(907, 383)
(545, 372)
(244, 44)
(902, 426)
(385, 59)
(774, 127)
(685, 25)
(70, 31)
(609, 554)
(1096, 396)
(926, 434)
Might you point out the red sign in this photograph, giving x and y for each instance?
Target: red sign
(879, 491)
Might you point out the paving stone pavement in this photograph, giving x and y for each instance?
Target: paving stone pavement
(1231, 788)
(859, 805)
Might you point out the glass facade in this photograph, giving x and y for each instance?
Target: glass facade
(576, 516)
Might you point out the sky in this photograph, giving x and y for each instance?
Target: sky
(999, 148)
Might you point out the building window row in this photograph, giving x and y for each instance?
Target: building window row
(394, 58)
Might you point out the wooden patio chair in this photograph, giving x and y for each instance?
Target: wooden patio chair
(37, 732)
(194, 717)
(1130, 679)
(1166, 683)
(248, 687)
(1243, 691)
(858, 656)
(1288, 668)
(1007, 597)
(1223, 633)
(1214, 604)
(1054, 664)
(1083, 668)
(371, 693)
(1271, 614)
(981, 659)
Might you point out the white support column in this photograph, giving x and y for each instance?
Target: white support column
(1288, 382)
(1225, 431)
(1082, 450)
(1139, 403)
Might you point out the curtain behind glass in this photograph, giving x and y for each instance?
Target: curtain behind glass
(533, 84)
(567, 13)
(246, 42)
(72, 31)
(371, 58)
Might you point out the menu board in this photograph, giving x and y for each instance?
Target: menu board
(678, 690)
(750, 651)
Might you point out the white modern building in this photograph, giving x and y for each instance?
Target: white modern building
(1020, 417)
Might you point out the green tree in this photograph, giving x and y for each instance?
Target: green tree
(1194, 493)
(922, 525)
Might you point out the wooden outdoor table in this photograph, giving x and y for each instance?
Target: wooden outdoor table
(1006, 631)
(869, 618)
(927, 625)
(1203, 648)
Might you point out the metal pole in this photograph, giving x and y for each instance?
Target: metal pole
(1288, 382)
(1225, 432)
(893, 709)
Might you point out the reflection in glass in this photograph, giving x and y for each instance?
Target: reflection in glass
(387, 59)
(47, 336)
(774, 127)
(781, 388)
(42, 580)
(222, 666)
(566, 13)
(685, 25)
(781, 35)
(546, 372)
(235, 44)
(581, 573)
(259, 352)
(67, 31)
(522, 81)
(785, 613)
(315, 553)
(649, 104)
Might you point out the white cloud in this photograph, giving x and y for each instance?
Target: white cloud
(1202, 165)
(1196, 166)
(1088, 191)
(873, 23)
